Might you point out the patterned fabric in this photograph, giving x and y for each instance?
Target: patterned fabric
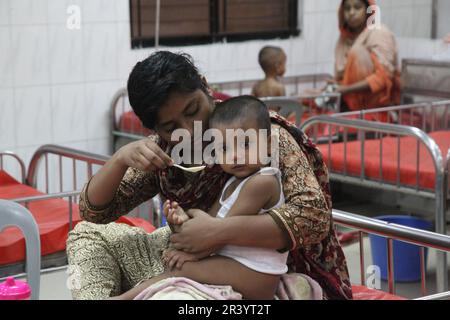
(106, 260)
(305, 218)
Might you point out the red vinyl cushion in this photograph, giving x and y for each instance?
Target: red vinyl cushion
(52, 217)
(137, 222)
(6, 179)
(408, 159)
(364, 293)
(130, 123)
(220, 96)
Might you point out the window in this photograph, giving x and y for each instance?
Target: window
(186, 22)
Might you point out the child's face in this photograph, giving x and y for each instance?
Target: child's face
(281, 65)
(241, 156)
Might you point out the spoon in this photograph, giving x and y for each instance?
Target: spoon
(191, 169)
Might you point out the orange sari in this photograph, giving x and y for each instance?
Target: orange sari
(372, 55)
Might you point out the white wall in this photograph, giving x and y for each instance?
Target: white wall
(56, 84)
(407, 18)
(443, 23)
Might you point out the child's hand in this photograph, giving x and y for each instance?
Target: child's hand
(174, 213)
(176, 258)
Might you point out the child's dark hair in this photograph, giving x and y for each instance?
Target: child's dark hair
(155, 78)
(268, 56)
(241, 108)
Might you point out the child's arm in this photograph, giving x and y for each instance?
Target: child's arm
(281, 91)
(260, 192)
(218, 270)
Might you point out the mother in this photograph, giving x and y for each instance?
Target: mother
(366, 59)
(167, 93)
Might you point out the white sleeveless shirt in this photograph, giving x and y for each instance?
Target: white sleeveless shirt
(259, 259)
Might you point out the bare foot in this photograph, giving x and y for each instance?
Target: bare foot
(174, 213)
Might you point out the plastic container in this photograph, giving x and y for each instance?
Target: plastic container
(13, 289)
(406, 256)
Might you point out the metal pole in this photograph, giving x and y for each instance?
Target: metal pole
(434, 19)
(157, 23)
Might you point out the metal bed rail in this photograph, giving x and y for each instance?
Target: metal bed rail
(67, 162)
(16, 159)
(428, 116)
(447, 178)
(310, 104)
(41, 165)
(71, 199)
(423, 239)
(294, 83)
(120, 104)
(71, 168)
(381, 130)
(398, 131)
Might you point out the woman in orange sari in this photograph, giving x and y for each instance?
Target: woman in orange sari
(367, 70)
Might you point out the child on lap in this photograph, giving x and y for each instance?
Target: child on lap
(253, 189)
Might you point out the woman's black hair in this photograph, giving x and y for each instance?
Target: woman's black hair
(153, 80)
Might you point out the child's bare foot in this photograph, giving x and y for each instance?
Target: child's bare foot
(174, 213)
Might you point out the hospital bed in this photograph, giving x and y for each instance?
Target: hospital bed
(394, 155)
(50, 189)
(365, 226)
(126, 127)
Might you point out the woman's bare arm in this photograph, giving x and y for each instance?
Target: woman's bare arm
(125, 181)
(144, 155)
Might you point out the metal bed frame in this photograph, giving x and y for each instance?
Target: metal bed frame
(16, 158)
(66, 162)
(293, 84)
(424, 239)
(120, 104)
(440, 192)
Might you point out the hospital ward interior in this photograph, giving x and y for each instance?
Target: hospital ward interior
(352, 202)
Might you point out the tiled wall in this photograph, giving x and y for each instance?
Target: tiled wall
(407, 18)
(56, 84)
(443, 23)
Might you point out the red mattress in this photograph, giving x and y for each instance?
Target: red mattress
(52, 217)
(130, 123)
(408, 159)
(364, 293)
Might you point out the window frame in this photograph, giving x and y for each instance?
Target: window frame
(215, 36)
